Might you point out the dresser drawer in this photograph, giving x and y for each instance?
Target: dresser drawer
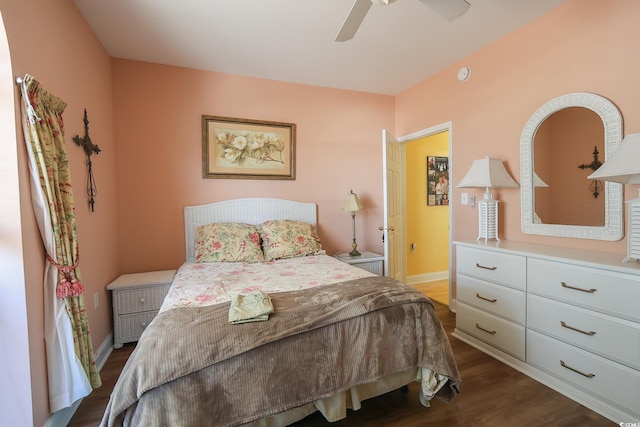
(497, 299)
(140, 299)
(507, 336)
(130, 327)
(609, 381)
(605, 335)
(604, 291)
(505, 269)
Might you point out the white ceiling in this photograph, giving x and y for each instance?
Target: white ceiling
(396, 47)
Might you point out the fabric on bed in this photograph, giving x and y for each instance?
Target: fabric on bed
(228, 242)
(334, 408)
(252, 307)
(201, 284)
(318, 342)
(287, 238)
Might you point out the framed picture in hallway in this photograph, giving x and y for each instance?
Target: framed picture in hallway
(247, 149)
(437, 181)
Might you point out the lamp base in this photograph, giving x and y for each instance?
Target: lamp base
(354, 252)
(633, 231)
(488, 219)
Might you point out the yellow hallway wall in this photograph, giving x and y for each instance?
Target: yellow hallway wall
(427, 226)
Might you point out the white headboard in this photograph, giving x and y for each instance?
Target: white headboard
(251, 211)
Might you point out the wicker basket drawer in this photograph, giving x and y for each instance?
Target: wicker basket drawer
(129, 328)
(140, 299)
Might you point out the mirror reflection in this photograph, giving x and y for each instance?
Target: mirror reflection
(568, 145)
(561, 144)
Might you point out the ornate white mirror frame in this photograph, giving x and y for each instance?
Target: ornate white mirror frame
(612, 119)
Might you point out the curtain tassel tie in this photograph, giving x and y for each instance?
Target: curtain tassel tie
(69, 285)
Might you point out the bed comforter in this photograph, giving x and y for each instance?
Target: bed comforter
(192, 368)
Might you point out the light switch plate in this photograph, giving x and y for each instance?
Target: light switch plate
(464, 198)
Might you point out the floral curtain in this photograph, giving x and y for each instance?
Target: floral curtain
(70, 361)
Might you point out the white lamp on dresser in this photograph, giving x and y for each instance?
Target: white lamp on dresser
(623, 166)
(487, 173)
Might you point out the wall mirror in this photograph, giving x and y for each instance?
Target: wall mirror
(558, 149)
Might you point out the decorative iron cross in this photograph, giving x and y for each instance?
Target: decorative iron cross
(595, 186)
(89, 149)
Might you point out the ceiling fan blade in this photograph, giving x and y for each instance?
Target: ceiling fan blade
(354, 19)
(448, 9)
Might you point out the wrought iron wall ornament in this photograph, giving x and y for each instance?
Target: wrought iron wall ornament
(89, 149)
(596, 186)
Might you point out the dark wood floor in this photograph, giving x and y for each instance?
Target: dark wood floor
(492, 394)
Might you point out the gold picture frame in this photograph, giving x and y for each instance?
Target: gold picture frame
(247, 149)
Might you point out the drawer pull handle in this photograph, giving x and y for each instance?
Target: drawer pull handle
(486, 330)
(564, 325)
(486, 299)
(590, 291)
(485, 267)
(142, 300)
(564, 365)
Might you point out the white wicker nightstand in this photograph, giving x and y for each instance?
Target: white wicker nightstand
(369, 261)
(136, 299)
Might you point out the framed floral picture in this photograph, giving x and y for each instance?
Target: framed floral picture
(437, 181)
(247, 149)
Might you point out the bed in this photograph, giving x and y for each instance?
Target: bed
(322, 335)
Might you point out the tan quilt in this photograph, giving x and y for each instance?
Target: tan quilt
(192, 368)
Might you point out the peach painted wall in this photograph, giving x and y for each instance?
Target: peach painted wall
(158, 113)
(582, 46)
(52, 42)
(427, 226)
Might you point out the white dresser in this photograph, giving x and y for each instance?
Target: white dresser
(568, 318)
(136, 299)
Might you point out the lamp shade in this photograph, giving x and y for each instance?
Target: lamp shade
(353, 203)
(623, 166)
(489, 173)
(538, 182)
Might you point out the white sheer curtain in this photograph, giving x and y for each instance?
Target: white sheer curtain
(69, 379)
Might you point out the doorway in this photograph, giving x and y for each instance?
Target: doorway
(429, 240)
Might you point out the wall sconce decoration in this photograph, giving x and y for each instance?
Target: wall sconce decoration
(353, 205)
(623, 167)
(89, 149)
(596, 186)
(488, 173)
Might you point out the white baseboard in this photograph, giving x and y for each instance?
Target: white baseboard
(104, 351)
(428, 277)
(62, 417)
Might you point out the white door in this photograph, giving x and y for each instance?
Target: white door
(392, 170)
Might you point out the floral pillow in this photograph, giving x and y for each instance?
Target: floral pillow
(287, 239)
(228, 242)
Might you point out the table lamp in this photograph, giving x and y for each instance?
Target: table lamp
(623, 167)
(487, 173)
(353, 205)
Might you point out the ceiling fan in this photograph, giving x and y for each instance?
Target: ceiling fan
(449, 9)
